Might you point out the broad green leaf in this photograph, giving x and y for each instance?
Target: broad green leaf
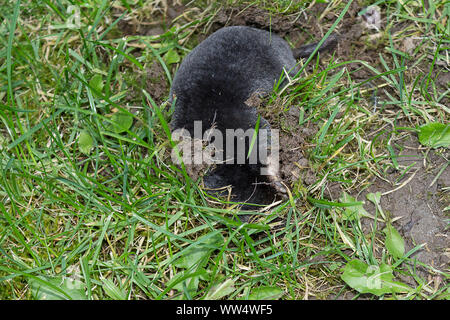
(355, 212)
(266, 293)
(187, 280)
(172, 56)
(435, 135)
(121, 122)
(96, 83)
(85, 142)
(112, 290)
(374, 197)
(394, 242)
(355, 275)
(190, 283)
(372, 279)
(193, 259)
(72, 287)
(221, 290)
(199, 252)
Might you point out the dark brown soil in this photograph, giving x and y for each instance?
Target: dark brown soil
(294, 165)
(257, 18)
(419, 202)
(156, 82)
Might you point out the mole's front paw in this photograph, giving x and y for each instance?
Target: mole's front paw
(279, 186)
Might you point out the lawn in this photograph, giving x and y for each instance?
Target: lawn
(92, 206)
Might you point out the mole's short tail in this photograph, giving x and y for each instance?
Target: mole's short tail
(306, 50)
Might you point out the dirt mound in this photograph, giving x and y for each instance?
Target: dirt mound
(257, 18)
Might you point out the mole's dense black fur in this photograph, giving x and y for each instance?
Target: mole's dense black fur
(213, 83)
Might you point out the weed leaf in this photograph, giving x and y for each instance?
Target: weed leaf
(266, 293)
(96, 83)
(372, 279)
(113, 291)
(374, 198)
(199, 252)
(187, 281)
(435, 135)
(172, 57)
(394, 242)
(221, 290)
(44, 290)
(355, 212)
(121, 122)
(85, 142)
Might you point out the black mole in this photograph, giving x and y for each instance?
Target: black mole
(213, 84)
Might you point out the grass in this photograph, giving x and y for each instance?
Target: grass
(115, 219)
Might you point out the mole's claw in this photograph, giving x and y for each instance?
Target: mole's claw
(279, 187)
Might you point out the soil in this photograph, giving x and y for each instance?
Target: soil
(419, 203)
(156, 82)
(294, 164)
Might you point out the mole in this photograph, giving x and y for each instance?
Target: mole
(212, 92)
